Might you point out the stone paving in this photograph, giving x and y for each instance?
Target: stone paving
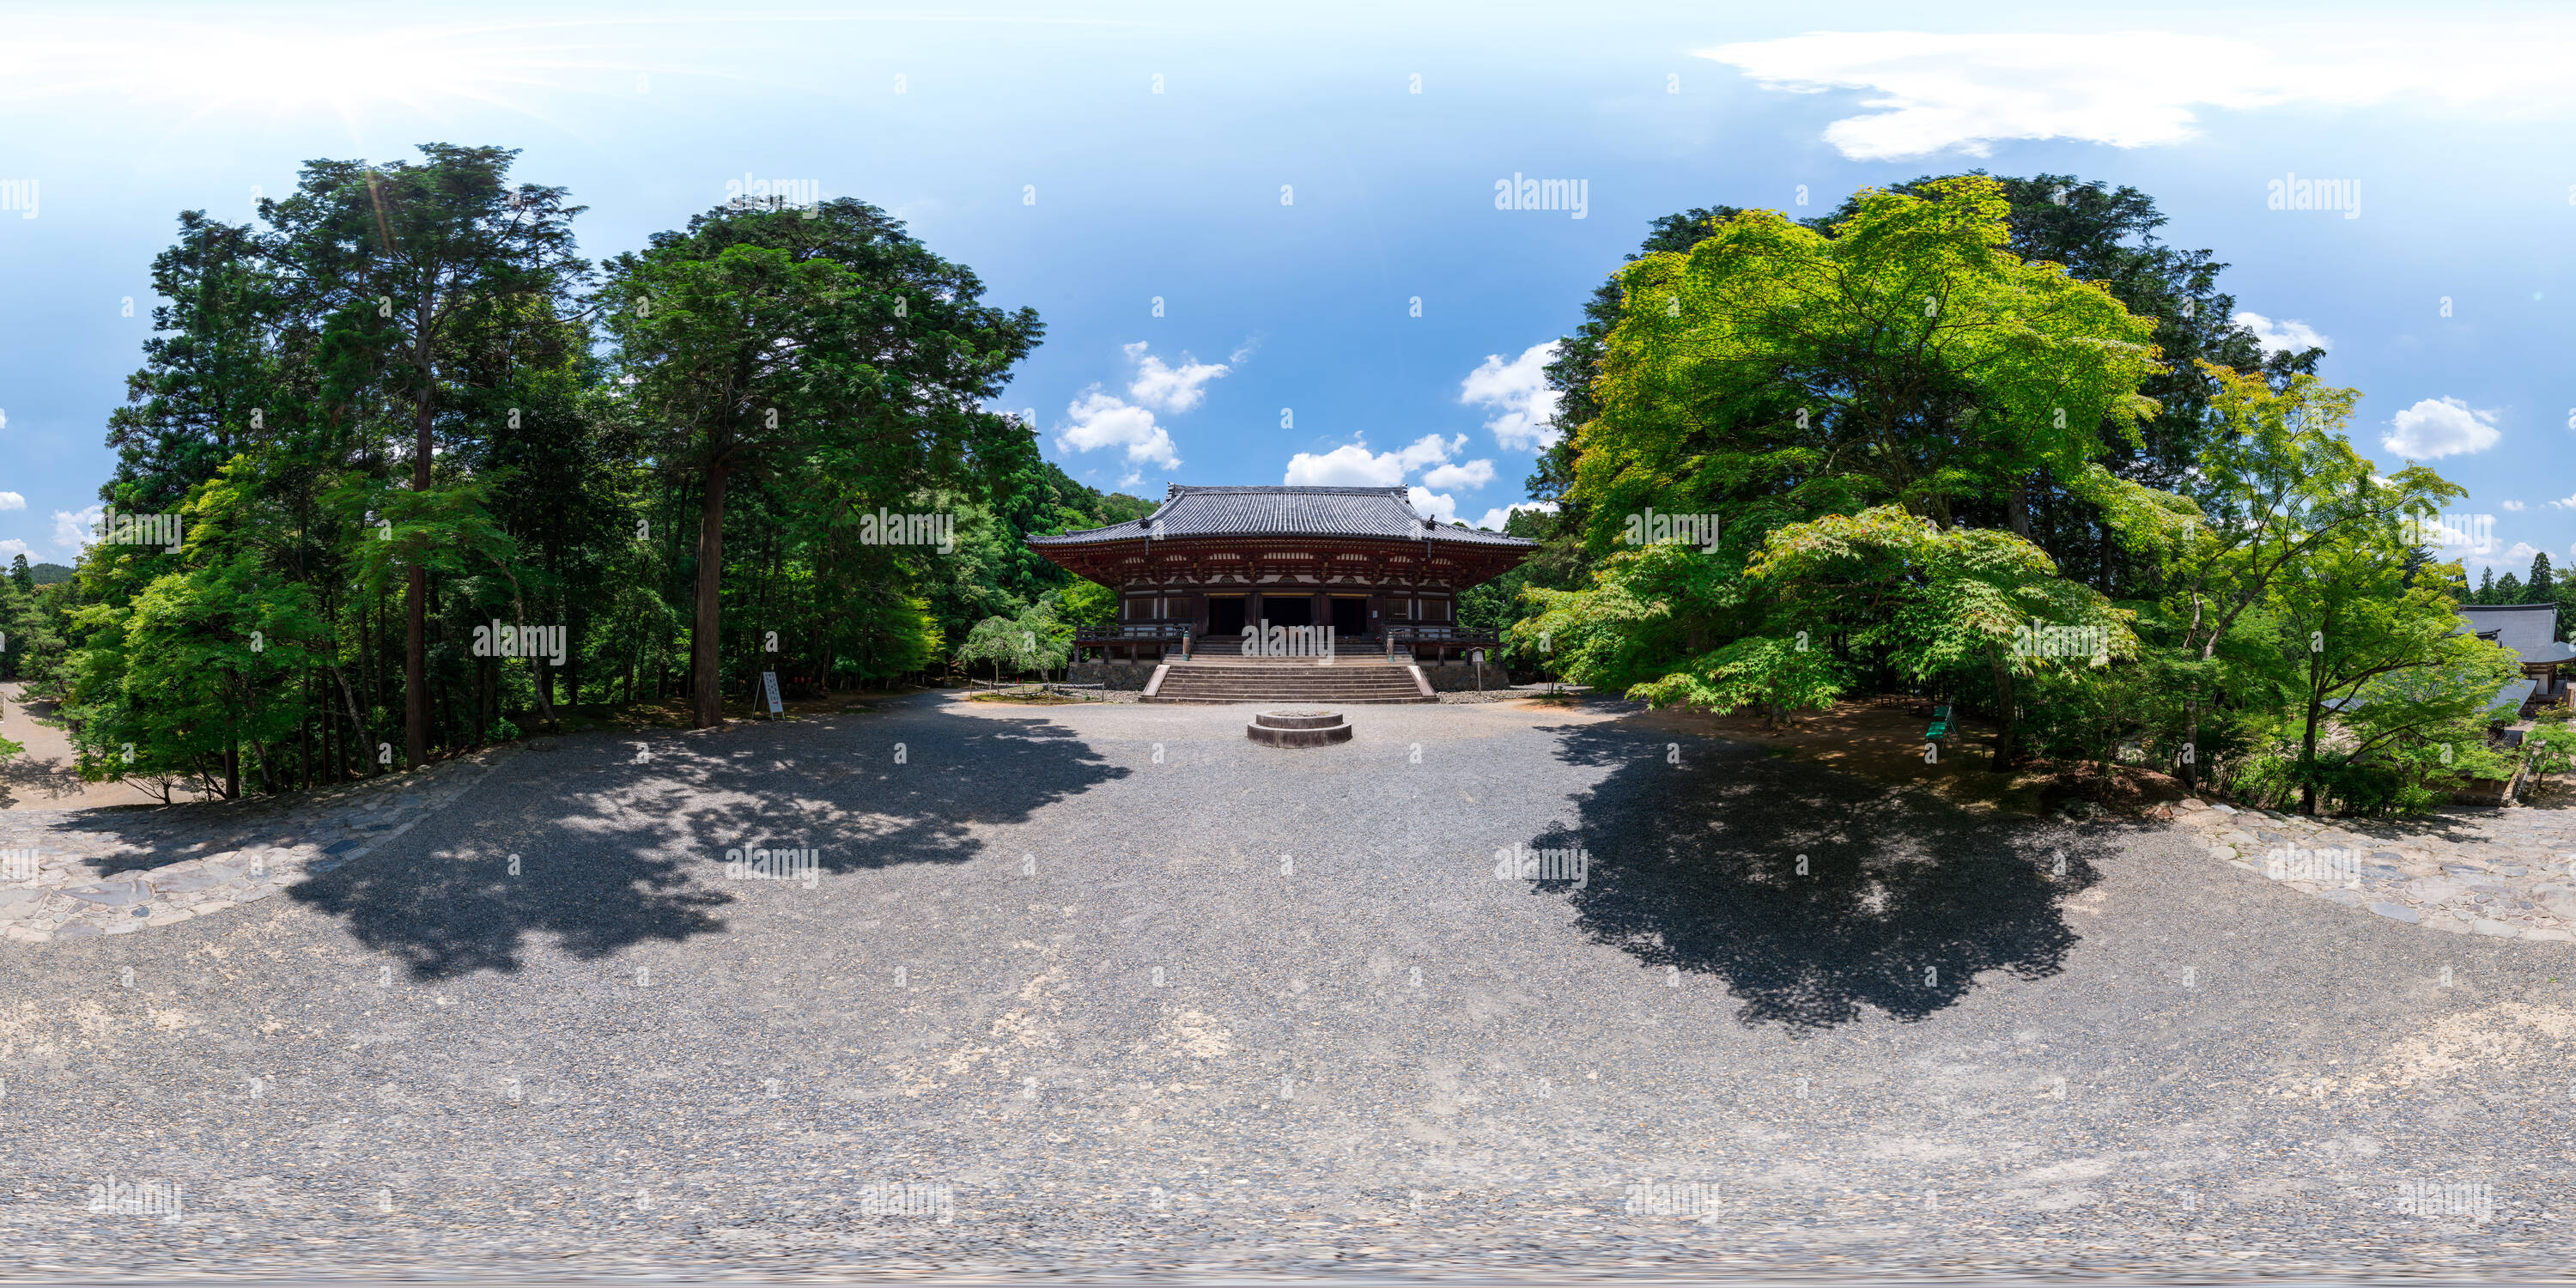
(78, 874)
(2502, 872)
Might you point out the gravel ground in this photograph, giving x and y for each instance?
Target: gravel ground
(1108, 989)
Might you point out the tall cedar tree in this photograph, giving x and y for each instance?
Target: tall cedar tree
(773, 341)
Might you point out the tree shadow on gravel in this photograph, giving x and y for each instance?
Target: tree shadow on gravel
(614, 851)
(1904, 902)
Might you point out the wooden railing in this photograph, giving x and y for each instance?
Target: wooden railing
(1443, 642)
(1165, 635)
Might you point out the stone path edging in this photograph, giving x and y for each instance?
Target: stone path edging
(75, 889)
(2500, 873)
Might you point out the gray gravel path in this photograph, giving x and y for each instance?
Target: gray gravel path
(1109, 989)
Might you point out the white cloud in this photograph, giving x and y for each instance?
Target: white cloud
(1926, 93)
(2564, 503)
(1106, 420)
(76, 530)
(2291, 336)
(1353, 465)
(1170, 388)
(1500, 515)
(1101, 420)
(1470, 475)
(1518, 393)
(2516, 560)
(14, 546)
(2439, 427)
(2514, 506)
(12, 501)
(1433, 504)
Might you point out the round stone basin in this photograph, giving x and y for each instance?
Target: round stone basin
(1298, 728)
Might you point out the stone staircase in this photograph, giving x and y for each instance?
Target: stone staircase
(1368, 678)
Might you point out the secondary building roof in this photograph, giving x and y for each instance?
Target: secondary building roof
(2524, 628)
(1383, 512)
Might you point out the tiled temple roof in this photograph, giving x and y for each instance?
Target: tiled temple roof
(1286, 511)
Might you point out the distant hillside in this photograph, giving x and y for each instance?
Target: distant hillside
(47, 574)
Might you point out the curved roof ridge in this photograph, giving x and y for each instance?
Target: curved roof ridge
(1286, 510)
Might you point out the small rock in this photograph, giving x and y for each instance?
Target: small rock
(2485, 926)
(2397, 912)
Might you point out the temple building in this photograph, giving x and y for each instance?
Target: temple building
(1212, 560)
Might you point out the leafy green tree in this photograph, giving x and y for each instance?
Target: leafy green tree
(2551, 749)
(1837, 401)
(1945, 600)
(1033, 641)
(2539, 589)
(1908, 360)
(398, 261)
(2376, 655)
(205, 662)
(2277, 485)
(766, 343)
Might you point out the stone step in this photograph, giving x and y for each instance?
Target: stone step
(1401, 683)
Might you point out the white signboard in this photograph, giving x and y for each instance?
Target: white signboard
(769, 683)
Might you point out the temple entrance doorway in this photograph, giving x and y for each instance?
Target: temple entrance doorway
(1225, 614)
(1285, 611)
(1350, 616)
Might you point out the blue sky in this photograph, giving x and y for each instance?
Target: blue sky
(1289, 195)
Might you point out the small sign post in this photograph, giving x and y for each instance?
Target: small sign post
(769, 685)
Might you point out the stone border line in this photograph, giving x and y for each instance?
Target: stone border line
(264, 846)
(2509, 877)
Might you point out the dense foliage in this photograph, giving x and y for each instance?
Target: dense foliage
(1988, 440)
(435, 476)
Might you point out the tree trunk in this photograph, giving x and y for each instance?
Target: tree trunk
(2017, 507)
(707, 690)
(232, 770)
(416, 614)
(2191, 746)
(2006, 753)
(2308, 740)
